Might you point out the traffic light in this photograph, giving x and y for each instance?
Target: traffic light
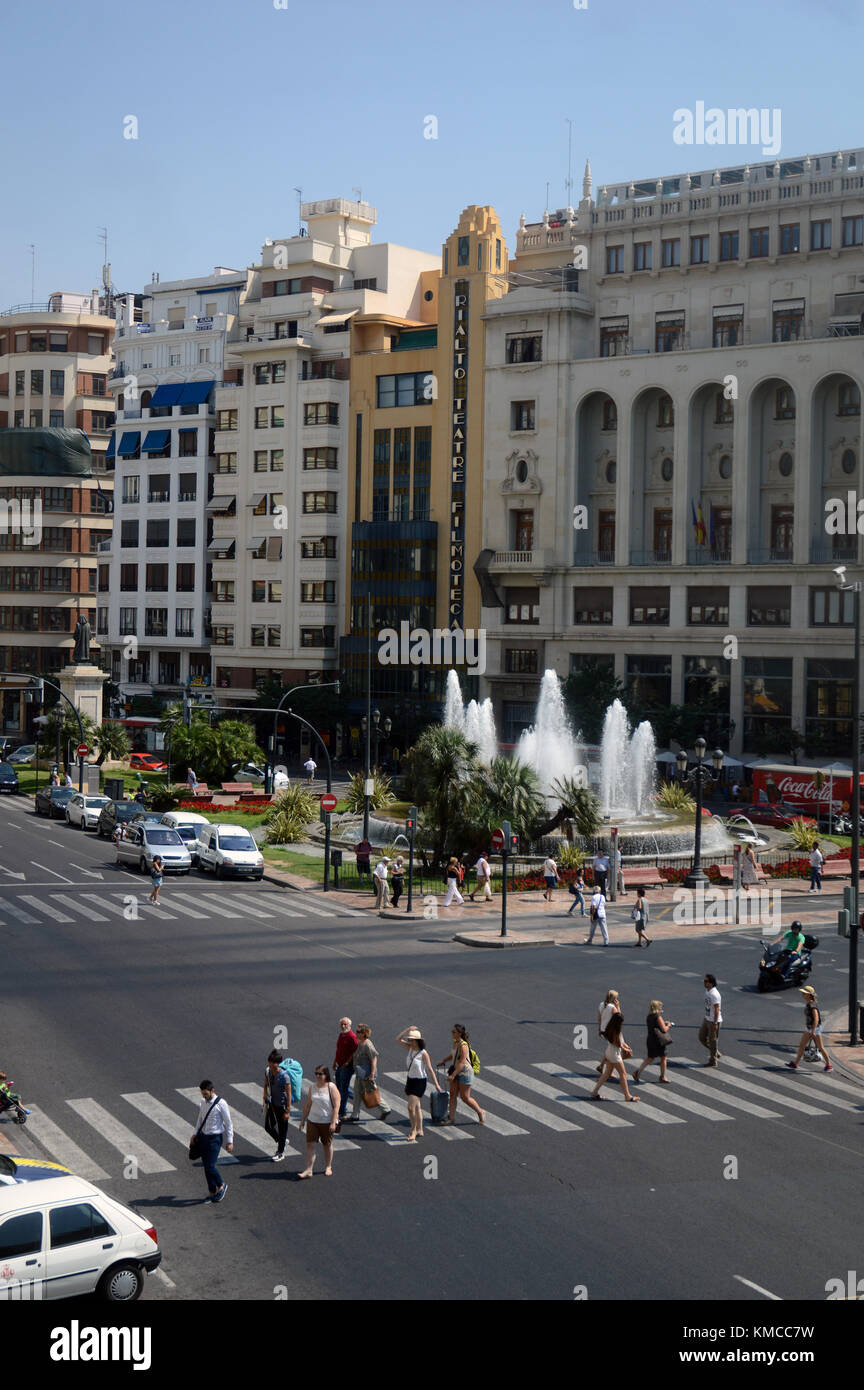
(843, 922)
(513, 844)
(411, 821)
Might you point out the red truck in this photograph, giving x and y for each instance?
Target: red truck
(804, 791)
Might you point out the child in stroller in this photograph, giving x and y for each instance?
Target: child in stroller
(11, 1100)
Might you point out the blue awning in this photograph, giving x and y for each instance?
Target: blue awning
(129, 443)
(195, 392)
(112, 447)
(155, 441)
(165, 395)
(194, 430)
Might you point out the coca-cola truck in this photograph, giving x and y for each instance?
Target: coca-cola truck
(812, 791)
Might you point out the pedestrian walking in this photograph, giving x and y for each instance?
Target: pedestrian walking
(812, 1029)
(362, 852)
(817, 859)
(709, 1031)
(382, 892)
(277, 1103)
(67, 780)
(343, 1062)
(640, 917)
(736, 791)
(461, 1074)
(397, 879)
(320, 1119)
(310, 765)
(658, 1041)
(550, 874)
(483, 870)
(156, 878)
(451, 874)
(749, 868)
(191, 780)
(419, 1067)
(619, 871)
(366, 1074)
(214, 1128)
(118, 834)
(577, 892)
(613, 1058)
(600, 865)
(598, 918)
(611, 1005)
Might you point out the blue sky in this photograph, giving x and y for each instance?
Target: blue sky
(238, 103)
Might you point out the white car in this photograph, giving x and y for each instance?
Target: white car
(23, 754)
(252, 773)
(189, 826)
(61, 1237)
(229, 850)
(84, 810)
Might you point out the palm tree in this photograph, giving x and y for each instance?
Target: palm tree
(506, 790)
(112, 740)
(578, 804)
(442, 766)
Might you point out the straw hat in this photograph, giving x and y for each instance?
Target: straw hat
(809, 991)
(413, 1034)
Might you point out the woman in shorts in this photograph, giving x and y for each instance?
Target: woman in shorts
(419, 1067)
(813, 1029)
(320, 1116)
(156, 879)
(461, 1075)
(613, 1058)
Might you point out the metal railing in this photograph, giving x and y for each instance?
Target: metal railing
(650, 557)
(770, 555)
(707, 555)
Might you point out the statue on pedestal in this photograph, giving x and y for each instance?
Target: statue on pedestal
(82, 640)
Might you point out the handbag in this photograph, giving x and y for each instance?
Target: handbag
(626, 1050)
(195, 1141)
(371, 1095)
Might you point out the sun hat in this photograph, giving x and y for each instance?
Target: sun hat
(413, 1034)
(809, 991)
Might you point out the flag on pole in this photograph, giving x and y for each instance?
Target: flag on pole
(698, 523)
(712, 534)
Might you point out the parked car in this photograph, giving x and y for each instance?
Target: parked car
(9, 779)
(147, 762)
(62, 1237)
(14, 1169)
(114, 814)
(780, 814)
(52, 801)
(24, 753)
(142, 817)
(84, 810)
(142, 842)
(230, 849)
(189, 826)
(250, 772)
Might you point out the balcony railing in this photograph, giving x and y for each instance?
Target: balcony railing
(513, 559)
(594, 557)
(770, 555)
(650, 557)
(834, 554)
(708, 555)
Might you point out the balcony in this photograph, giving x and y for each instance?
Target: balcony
(772, 555)
(515, 559)
(705, 555)
(834, 554)
(593, 557)
(650, 557)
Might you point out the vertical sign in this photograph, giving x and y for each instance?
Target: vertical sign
(459, 430)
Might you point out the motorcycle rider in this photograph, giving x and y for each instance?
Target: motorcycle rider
(793, 940)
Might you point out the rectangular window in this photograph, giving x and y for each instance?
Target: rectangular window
(187, 487)
(408, 388)
(319, 502)
(128, 534)
(155, 622)
(728, 246)
(20, 378)
(463, 251)
(188, 441)
(522, 415)
(642, 255)
(782, 532)
(19, 419)
(132, 488)
(157, 579)
(277, 416)
(790, 238)
(853, 231)
(262, 416)
(728, 326)
(522, 605)
(592, 607)
(183, 622)
(128, 578)
(318, 591)
(226, 463)
(831, 607)
(669, 334)
(223, 591)
(58, 383)
(223, 635)
(104, 572)
(525, 348)
(262, 373)
(128, 622)
(59, 342)
(724, 411)
(274, 635)
(36, 383)
(788, 324)
(317, 636)
(320, 413)
(277, 460)
(708, 606)
(316, 459)
(767, 696)
(56, 419)
(186, 531)
(614, 337)
(699, 250)
(157, 533)
(35, 419)
(784, 403)
(614, 260)
(520, 661)
(820, 236)
(159, 487)
(185, 579)
(758, 241)
(318, 548)
(260, 461)
(769, 607)
(670, 252)
(649, 681)
(649, 607)
(226, 419)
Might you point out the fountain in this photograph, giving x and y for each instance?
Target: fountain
(477, 722)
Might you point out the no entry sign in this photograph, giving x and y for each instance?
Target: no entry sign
(498, 839)
(82, 750)
(328, 802)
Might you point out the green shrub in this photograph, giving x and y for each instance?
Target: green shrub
(672, 796)
(803, 836)
(569, 857)
(163, 801)
(288, 816)
(381, 796)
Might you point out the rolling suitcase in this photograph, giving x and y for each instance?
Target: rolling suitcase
(439, 1106)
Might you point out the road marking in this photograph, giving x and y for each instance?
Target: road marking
(247, 907)
(166, 1119)
(62, 1148)
(688, 974)
(58, 844)
(119, 1137)
(161, 912)
(104, 902)
(829, 1082)
(598, 1112)
(220, 911)
(184, 899)
(399, 1107)
(324, 912)
(50, 871)
(89, 912)
(736, 1104)
(56, 915)
(758, 1287)
(252, 1131)
(722, 1077)
(11, 872)
(585, 1083)
(161, 1275)
(19, 913)
(515, 1102)
(287, 911)
(497, 1125)
(253, 1091)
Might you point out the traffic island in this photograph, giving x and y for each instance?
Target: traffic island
(498, 942)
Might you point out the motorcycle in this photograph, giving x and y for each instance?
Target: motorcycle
(779, 969)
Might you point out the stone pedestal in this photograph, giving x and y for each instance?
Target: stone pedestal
(82, 684)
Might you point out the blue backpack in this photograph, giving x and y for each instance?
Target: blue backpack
(294, 1071)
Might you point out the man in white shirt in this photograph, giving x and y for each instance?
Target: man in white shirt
(382, 892)
(817, 859)
(214, 1128)
(310, 765)
(709, 1031)
(601, 868)
(483, 870)
(598, 918)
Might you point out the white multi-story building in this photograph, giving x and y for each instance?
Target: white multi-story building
(286, 467)
(153, 615)
(665, 429)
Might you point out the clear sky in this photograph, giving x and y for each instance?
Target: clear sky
(239, 103)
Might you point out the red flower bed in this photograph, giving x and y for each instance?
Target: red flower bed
(256, 805)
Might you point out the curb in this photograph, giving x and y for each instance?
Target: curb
(501, 942)
(834, 1025)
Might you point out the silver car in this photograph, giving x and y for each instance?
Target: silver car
(142, 842)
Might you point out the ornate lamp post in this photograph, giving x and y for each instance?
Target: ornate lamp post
(698, 776)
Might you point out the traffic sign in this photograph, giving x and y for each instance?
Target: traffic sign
(498, 839)
(329, 801)
(82, 750)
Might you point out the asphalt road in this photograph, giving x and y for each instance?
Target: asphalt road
(743, 1173)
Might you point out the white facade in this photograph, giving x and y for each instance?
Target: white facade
(284, 442)
(707, 359)
(155, 613)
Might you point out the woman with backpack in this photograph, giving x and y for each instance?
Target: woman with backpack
(613, 1058)
(462, 1070)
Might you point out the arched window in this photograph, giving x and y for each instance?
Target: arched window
(146, 397)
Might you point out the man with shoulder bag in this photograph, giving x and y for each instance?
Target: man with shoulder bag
(213, 1128)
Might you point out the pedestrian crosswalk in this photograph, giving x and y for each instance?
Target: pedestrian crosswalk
(131, 903)
(142, 1132)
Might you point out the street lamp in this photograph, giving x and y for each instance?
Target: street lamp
(698, 776)
(855, 590)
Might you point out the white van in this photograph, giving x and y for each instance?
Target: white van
(61, 1237)
(230, 849)
(189, 826)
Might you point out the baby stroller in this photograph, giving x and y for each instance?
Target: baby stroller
(10, 1100)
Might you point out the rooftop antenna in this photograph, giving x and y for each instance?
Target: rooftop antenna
(547, 195)
(569, 183)
(32, 273)
(359, 192)
(299, 192)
